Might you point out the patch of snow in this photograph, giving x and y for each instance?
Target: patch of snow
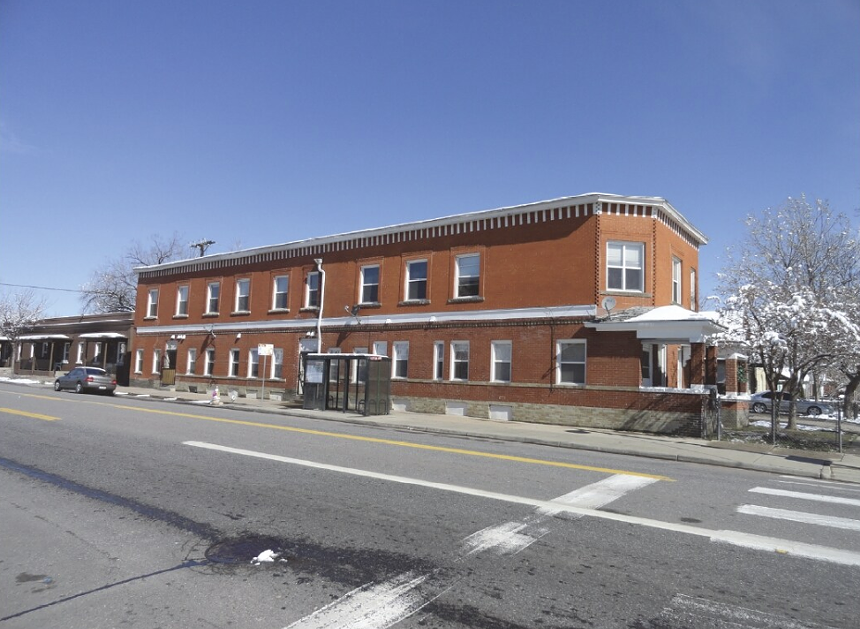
(20, 380)
(267, 556)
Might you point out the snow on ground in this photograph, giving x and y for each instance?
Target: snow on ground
(20, 380)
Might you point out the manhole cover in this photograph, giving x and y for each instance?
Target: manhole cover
(241, 550)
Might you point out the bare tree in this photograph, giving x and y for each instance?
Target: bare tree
(113, 286)
(18, 313)
(787, 293)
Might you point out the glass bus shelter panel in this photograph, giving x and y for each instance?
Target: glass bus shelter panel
(378, 391)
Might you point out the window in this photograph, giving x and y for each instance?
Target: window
(460, 360)
(416, 280)
(209, 367)
(243, 295)
(676, 281)
(156, 360)
(278, 363)
(213, 291)
(152, 303)
(694, 302)
(400, 359)
(570, 362)
(370, 284)
(646, 361)
(254, 363)
(191, 367)
(468, 275)
(312, 294)
(67, 348)
(234, 363)
(280, 292)
(360, 374)
(501, 361)
(438, 360)
(380, 348)
(624, 266)
(80, 358)
(138, 361)
(182, 301)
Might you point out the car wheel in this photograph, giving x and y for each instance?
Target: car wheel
(56, 385)
(814, 411)
(79, 388)
(758, 407)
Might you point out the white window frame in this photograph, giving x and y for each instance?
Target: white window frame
(253, 362)
(233, 364)
(694, 304)
(646, 364)
(312, 295)
(209, 364)
(458, 276)
(242, 302)
(498, 349)
(380, 348)
(400, 359)
(439, 360)
(191, 361)
(625, 267)
(182, 301)
(156, 360)
(415, 282)
(455, 362)
(359, 374)
(277, 361)
(213, 296)
(369, 286)
(138, 360)
(80, 359)
(67, 350)
(676, 280)
(560, 346)
(277, 293)
(152, 304)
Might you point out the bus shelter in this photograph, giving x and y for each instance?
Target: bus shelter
(360, 383)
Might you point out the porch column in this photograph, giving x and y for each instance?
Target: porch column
(697, 364)
(711, 365)
(731, 375)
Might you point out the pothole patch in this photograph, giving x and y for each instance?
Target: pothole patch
(247, 549)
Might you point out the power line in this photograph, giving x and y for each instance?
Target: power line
(67, 290)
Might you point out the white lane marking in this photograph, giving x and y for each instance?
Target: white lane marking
(835, 485)
(506, 539)
(803, 496)
(700, 612)
(800, 516)
(745, 540)
(374, 605)
(602, 492)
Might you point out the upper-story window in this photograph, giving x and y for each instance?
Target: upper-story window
(468, 275)
(370, 284)
(182, 301)
(280, 292)
(625, 266)
(213, 293)
(152, 303)
(243, 295)
(416, 280)
(694, 303)
(676, 281)
(312, 290)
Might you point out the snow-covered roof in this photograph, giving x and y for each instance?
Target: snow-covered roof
(664, 324)
(672, 313)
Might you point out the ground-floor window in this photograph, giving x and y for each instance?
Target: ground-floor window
(570, 362)
(400, 359)
(278, 363)
(460, 360)
(192, 360)
(500, 366)
(438, 360)
(67, 347)
(254, 363)
(234, 363)
(156, 360)
(209, 368)
(138, 361)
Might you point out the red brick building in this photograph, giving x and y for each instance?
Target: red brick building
(493, 314)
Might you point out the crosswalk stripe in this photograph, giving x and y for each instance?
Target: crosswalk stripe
(700, 612)
(804, 496)
(802, 517)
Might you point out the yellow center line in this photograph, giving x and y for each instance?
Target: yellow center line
(13, 411)
(390, 442)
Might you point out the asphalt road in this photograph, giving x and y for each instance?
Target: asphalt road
(132, 513)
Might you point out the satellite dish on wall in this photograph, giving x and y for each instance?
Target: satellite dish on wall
(608, 304)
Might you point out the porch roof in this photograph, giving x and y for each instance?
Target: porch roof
(666, 324)
(102, 335)
(44, 337)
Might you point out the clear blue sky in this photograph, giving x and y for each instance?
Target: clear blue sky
(259, 122)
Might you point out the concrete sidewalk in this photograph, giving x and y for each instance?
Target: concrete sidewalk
(759, 457)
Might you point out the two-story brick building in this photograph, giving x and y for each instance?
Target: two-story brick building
(499, 313)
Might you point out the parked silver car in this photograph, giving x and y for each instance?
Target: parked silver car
(763, 401)
(82, 379)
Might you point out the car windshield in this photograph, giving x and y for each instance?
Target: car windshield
(93, 371)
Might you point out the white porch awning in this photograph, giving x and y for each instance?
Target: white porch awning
(102, 335)
(43, 337)
(666, 324)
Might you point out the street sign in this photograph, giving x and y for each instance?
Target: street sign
(265, 349)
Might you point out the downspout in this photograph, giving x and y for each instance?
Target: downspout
(319, 263)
